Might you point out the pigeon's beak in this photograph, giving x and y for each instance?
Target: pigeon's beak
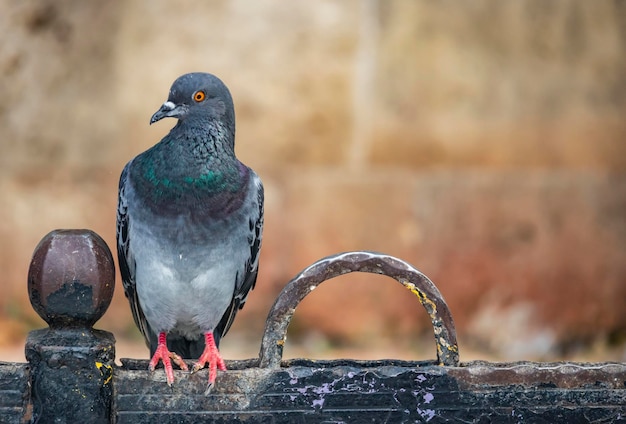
(167, 110)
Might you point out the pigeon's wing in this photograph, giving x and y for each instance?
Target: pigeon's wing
(126, 259)
(251, 267)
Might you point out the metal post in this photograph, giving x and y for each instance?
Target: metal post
(70, 284)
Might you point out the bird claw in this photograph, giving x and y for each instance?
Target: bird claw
(179, 361)
(211, 355)
(208, 389)
(167, 357)
(197, 367)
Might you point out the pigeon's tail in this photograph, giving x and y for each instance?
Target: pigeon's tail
(187, 349)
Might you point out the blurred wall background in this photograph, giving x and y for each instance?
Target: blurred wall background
(483, 141)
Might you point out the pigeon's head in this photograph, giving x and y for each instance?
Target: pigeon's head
(198, 97)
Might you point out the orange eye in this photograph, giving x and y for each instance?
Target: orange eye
(199, 96)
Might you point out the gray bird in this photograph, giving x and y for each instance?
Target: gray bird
(189, 228)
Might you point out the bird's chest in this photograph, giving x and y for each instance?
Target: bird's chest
(204, 197)
(169, 179)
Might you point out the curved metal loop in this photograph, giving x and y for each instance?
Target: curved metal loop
(377, 263)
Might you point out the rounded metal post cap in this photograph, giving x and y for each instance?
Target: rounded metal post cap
(71, 278)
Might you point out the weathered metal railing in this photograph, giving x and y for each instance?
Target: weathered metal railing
(71, 377)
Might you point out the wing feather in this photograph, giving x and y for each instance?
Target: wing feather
(127, 261)
(247, 280)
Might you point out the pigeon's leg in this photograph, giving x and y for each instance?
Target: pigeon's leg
(212, 356)
(167, 357)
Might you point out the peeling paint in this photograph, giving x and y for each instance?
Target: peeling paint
(428, 397)
(427, 414)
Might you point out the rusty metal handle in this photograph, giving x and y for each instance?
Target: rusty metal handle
(377, 263)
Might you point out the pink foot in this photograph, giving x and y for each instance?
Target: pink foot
(163, 354)
(212, 356)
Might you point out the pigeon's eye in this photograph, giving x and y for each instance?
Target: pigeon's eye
(199, 96)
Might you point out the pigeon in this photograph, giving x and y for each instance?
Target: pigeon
(189, 229)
